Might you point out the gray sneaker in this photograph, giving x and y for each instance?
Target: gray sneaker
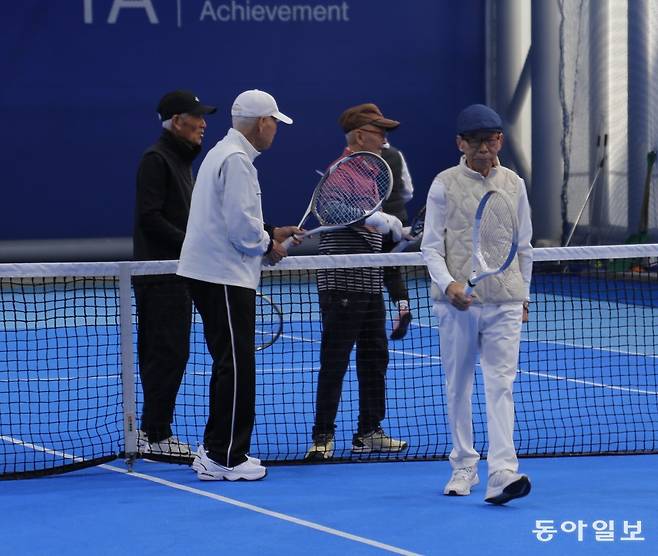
(171, 447)
(376, 441)
(461, 481)
(321, 449)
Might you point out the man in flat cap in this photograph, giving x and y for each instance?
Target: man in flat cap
(353, 311)
(360, 121)
(487, 322)
(164, 306)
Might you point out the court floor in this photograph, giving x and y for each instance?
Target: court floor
(367, 508)
(586, 383)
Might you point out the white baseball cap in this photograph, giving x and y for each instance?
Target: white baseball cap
(256, 104)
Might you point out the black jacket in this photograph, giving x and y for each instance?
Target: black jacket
(164, 194)
(395, 204)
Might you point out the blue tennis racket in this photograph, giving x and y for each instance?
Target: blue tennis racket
(495, 237)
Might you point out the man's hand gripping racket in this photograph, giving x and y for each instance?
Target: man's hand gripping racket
(414, 233)
(350, 191)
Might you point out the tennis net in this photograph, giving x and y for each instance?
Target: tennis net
(70, 394)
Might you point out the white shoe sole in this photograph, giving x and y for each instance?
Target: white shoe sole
(230, 476)
(227, 474)
(369, 450)
(517, 489)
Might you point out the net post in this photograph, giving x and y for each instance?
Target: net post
(127, 364)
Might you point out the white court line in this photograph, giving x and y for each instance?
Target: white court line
(543, 375)
(37, 448)
(264, 511)
(589, 383)
(224, 499)
(586, 346)
(398, 351)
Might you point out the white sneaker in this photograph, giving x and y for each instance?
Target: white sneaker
(171, 447)
(506, 485)
(461, 481)
(209, 470)
(201, 452)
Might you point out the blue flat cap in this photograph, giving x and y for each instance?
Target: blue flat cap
(478, 117)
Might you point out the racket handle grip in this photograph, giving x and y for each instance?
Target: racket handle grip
(288, 242)
(468, 290)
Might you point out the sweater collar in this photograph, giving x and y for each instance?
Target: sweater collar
(249, 149)
(476, 175)
(186, 150)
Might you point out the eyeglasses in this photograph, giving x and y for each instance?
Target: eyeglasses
(475, 141)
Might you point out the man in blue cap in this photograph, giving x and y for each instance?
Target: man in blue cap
(487, 322)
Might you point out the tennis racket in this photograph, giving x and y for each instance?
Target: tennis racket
(350, 190)
(495, 237)
(415, 232)
(269, 321)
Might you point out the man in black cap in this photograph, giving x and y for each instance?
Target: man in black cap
(353, 311)
(164, 305)
(487, 322)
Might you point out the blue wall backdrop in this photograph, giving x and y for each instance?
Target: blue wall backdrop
(81, 80)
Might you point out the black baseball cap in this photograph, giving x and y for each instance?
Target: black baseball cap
(182, 102)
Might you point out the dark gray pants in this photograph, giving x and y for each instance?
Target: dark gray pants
(164, 317)
(349, 318)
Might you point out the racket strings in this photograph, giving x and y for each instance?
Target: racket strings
(496, 233)
(353, 188)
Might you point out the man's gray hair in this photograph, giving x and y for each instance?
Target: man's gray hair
(244, 123)
(167, 123)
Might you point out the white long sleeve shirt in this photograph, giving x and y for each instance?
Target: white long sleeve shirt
(225, 238)
(433, 243)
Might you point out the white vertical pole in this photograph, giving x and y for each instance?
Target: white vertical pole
(547, 165)
(127, 364)
(599, 101)
(639, 114)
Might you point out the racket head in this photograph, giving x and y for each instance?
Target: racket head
(495, 234)
(269, 322)
(351, 189)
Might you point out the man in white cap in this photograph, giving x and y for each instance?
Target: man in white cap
(487, 322)
(225, 242)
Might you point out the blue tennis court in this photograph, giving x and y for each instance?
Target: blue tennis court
(586, 385)
(328, 509)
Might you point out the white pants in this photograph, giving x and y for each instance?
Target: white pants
(493, 331)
